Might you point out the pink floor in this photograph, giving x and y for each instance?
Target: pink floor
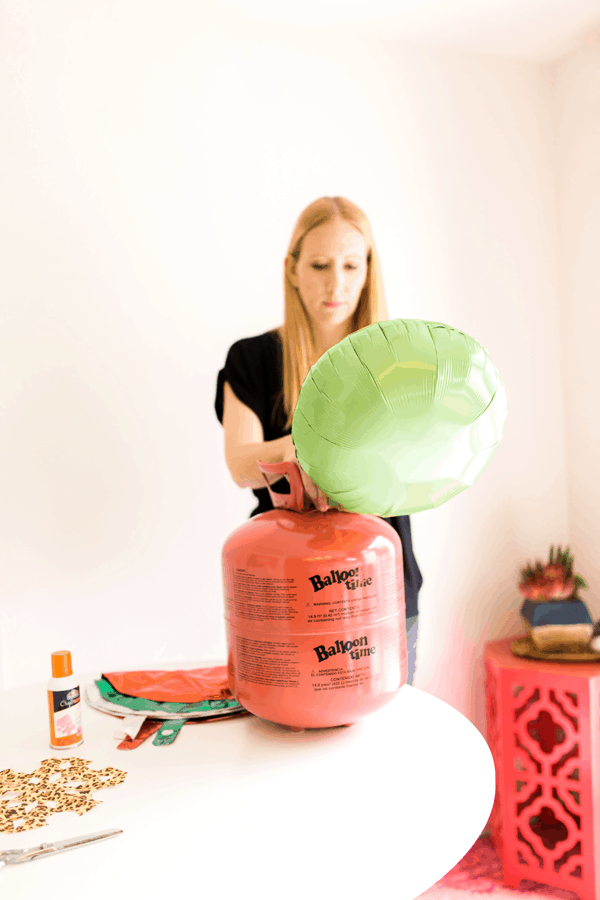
(480, 872)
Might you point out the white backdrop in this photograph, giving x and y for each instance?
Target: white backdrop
(155, 159)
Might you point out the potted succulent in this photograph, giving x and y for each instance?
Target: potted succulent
(556, 617)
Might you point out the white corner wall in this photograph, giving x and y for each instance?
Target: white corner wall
(577, 113)
(154, 166)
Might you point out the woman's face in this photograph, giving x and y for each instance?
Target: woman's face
(332, 268)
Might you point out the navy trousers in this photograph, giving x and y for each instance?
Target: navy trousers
(412, 626)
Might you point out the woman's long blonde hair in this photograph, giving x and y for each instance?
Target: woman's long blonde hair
(296, 335)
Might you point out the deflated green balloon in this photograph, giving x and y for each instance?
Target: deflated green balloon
(399, 417)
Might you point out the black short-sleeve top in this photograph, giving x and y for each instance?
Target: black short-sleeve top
(254, 370)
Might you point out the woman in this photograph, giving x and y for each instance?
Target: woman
(332, 288)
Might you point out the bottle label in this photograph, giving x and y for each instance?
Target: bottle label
(65, 717)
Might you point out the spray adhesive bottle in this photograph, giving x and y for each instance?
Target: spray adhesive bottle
(64, 703)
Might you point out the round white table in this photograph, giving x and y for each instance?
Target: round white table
(383, 808)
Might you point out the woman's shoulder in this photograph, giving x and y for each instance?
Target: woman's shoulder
(258, 343)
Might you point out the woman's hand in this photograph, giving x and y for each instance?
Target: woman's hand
(316, 496)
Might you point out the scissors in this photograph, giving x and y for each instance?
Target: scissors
(20, 856)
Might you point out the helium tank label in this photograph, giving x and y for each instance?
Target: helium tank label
(303, 596)
(317, 639)
(373, 661)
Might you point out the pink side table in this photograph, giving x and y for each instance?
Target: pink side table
(543, 724)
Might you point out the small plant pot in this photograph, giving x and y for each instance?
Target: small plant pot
(558, 625)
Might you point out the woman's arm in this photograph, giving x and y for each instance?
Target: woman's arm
(244, 462)
(244, 447)
(245, 443)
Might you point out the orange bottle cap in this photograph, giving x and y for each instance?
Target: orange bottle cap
(61, 664)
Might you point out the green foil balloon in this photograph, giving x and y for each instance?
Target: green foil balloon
(399, 417)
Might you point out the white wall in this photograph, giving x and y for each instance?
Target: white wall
(577, 99)
(155, 161)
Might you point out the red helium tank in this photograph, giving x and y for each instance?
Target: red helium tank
(314, 612)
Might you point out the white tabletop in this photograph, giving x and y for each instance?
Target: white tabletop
(382, 809)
